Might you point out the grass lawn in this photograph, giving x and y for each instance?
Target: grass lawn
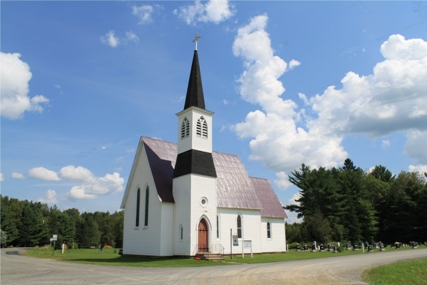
(412, 272)
(111, 257)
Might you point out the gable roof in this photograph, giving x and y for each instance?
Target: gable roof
(271, 206)
(235, 189)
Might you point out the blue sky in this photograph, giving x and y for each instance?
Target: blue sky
(289, 82)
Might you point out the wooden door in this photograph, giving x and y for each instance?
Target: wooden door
(203, 236)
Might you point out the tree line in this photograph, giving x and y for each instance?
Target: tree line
(27, 223)
(351, 205)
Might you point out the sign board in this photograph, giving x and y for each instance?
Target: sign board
(55, 237)
(51, 239)
(235, 240)
(246, 244)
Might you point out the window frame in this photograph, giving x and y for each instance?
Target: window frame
(147, 198)
(239, 226)
(138, 206)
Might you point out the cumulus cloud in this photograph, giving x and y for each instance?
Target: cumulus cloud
(50, 197)
(15, 75)
(78, 173)
(110, 39)
(385, 143)
(1, 177)
(418, 168)
(293, 216)
(113, 41)
(88, 185)
(131, 37)
(391, 99)
(91, 186)
(214, 11)
(276, 139)
(143, 13)
(43, 174)
(17, 175)
(416, 145)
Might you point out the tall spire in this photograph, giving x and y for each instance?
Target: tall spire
(195, 97)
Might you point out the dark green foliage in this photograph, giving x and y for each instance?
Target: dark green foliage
(348, 204)
(28, 224)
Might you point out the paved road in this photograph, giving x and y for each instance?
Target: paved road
(19, 270)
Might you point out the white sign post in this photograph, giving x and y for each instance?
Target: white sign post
(54, 238)
(246, 244)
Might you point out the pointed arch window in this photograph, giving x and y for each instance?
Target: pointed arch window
(239, 226)
(185, 128)
(146, 206)
(268, 230)
(202, 127)
(138, 198)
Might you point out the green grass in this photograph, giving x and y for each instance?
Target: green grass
(111, 257)
(412, 272)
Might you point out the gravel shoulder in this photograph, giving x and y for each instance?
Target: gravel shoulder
(17, 269)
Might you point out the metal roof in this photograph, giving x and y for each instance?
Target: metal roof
(271, 206)
(235, 189)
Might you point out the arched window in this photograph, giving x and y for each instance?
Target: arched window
(146, 206)
(138, 198)
(268, 230)
(185, 128)
(239, 227)
(202, 128)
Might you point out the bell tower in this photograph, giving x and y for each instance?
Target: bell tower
(194, 177)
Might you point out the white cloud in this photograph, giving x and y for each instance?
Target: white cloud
(110, 39)
(143, 13)
(276, 139)
(113, 41)
(78, 173)
(43, 174)
(392, 99)
(91, 185)
(131, 37)
(1, 177)
(416, 145)
(214, 11)
(293, 216)
(418, 168)
(78, 193)
(50, 197)
(385, 143)
(294, 63)
(17, 175)
(15, 75)
(225, 102)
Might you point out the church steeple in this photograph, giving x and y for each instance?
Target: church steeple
(195, 129)
(195, 97)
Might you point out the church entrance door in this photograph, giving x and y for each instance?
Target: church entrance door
(203, 236)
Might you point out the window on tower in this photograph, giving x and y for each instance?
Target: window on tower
(185, 128)
(202, 128)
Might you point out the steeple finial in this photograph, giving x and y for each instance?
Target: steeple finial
(196, 39)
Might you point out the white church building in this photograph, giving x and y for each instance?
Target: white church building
(184, 198)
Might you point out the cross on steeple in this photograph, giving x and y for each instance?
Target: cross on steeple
(196, 39)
